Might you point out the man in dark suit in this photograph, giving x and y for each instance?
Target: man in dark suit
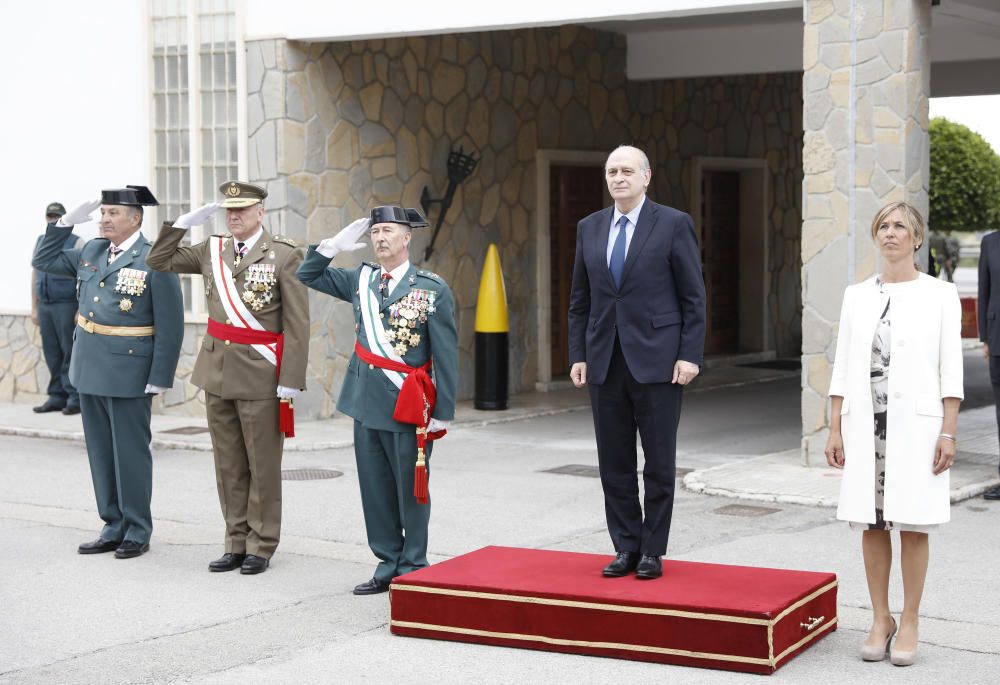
(636, 337)
(989, 320)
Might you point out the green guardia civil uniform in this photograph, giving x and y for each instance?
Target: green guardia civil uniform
(419, 315)
(239, 380)
(131, 326)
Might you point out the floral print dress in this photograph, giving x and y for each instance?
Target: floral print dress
(881, 345)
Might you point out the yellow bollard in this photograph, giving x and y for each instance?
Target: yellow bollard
(492, 328)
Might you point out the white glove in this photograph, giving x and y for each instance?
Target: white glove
(435, 426)
(345, 241)
(154, 389)
(79, 215)
(196, 217)
(287, 393)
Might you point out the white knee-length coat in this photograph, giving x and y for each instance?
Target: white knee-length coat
(925, 367)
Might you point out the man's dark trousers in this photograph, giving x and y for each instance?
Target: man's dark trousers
(56, 321)
(621, 405)
(995, 381)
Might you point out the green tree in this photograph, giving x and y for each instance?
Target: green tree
(965, 179)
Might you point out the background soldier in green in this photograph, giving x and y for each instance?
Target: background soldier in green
(249, 279)
(126, 346)
(415, 323)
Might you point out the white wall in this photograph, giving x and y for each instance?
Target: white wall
(75, 116)
(321, 20)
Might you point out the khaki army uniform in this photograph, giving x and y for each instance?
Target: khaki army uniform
(240, 383)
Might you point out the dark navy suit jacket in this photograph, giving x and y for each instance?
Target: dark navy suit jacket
(658, 313)
(989, 292)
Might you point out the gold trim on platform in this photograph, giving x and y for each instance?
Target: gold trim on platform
(771, 660)
(582, 605)
(581, 643)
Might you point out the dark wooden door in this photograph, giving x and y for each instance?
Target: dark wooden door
(720, 254)
(574, 192)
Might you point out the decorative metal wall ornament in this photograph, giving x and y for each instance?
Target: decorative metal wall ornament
(460, 167)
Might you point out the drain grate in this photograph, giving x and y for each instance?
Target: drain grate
(310, 474)
(588, 471)
(186, 430)
(584, 470)
(744, 510)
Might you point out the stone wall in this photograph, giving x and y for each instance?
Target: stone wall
(866, 89)
(335, 128)
(24, 376)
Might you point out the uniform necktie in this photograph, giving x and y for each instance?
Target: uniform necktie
(113, 253)
(383, 287)
(241, 250)
(617, 264)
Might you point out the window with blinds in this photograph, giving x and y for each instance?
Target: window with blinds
(196, 113)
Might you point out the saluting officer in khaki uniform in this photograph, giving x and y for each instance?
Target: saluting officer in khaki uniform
(252, 360)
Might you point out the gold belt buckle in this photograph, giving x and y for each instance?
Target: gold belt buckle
(87, 325)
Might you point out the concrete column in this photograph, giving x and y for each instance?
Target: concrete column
(866, 82)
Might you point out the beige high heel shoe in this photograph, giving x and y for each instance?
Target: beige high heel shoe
(878, 652)
(901, 657)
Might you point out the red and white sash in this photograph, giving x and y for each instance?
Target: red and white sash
(237, 312)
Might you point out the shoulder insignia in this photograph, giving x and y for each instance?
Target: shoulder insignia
(373, 265)
(431, 275)
(284, 239)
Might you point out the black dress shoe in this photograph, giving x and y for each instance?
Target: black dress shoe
(70, 411)
(993, 494)
(130, 549)
(649, 568)
(253, 564)
(625, 562)
(227, 562)
(371, 587)
(98, 546)
(46, 407)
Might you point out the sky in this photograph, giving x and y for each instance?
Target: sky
(980, 113)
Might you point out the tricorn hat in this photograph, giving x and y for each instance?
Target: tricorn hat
(394, 214)
(238, 194)
(55, 209)
(133, 196)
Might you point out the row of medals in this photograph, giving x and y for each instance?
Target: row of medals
(258, 280)
(130, 282)
(404, 315)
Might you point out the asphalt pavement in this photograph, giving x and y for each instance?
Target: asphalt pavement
(525, 478)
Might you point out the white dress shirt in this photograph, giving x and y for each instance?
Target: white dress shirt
(633, 219)
(396, 275)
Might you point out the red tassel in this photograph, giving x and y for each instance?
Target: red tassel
(286, 418)
(420, 489)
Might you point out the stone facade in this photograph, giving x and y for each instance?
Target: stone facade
(335, 128)
(24, 376)
(866, 84)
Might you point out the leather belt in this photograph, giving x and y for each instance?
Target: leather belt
(125, 331)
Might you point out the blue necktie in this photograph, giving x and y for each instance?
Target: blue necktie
(617, 264)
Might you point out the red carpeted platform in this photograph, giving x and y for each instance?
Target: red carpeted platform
(737, 618)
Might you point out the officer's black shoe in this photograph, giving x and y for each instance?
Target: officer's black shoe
(649, 568)
(993, 494)
(130, 549)
(227, 562)
(253, 564)
(46, 408)
(71, 410)
(625, 562)
(98, 546)
(371, 587)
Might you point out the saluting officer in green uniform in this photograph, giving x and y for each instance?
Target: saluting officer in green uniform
(125, 350)
(405, 324)
(252, 361)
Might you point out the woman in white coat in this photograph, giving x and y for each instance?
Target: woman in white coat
(893, 431)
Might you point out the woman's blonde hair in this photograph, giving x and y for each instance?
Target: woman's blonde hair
(911, 219)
